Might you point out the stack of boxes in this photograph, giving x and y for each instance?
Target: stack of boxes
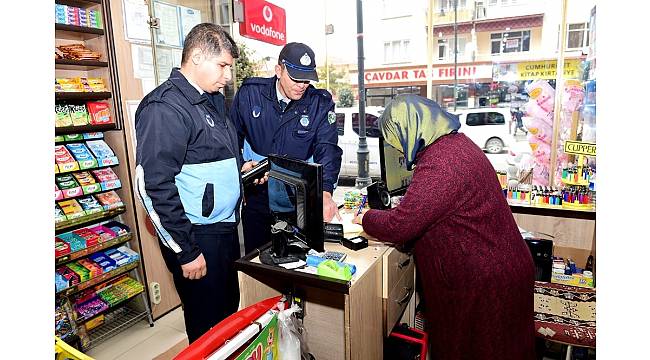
(70, 15)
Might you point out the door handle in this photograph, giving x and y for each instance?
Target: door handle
(406, 297)
(404, 263)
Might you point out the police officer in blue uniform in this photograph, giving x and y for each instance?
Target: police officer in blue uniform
(188, 177)
(286, 115)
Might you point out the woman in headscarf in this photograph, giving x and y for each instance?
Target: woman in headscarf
(475, 269)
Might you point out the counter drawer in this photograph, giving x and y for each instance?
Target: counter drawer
(395, 265)
(398, 298)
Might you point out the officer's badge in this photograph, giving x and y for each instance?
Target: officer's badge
(305, 60)
(304, 120)
(331, 117)
(256, 111)
(209, 120)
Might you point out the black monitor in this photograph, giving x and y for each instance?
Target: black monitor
(296, 198)
(393, 169)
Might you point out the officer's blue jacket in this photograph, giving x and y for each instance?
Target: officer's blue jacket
(306, 130)
(188, 163)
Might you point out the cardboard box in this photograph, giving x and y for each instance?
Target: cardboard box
(573, 280)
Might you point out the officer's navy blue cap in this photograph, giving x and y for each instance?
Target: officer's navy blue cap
(299, 61)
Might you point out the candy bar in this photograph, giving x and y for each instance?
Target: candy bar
(109, 200)
(68, 276)
(79, 115)
(64, 159)
(61, 247)
(84, 274)
(133, 256)
(58, 194)
(87, 182)
(58, 214)
(73, 137)
(71, 208)
(89, 237)
(93, 135)
(119, 228)
(75, 241)
(104, 233)
(106, 262)
(68, 186)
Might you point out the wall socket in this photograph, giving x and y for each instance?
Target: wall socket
(154, 290)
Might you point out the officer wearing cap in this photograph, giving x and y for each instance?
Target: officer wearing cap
(286, 115)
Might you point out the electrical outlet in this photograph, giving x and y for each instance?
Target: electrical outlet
(154, 289)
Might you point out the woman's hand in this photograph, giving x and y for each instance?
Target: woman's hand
(359, 218)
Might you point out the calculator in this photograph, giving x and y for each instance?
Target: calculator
(334, 255)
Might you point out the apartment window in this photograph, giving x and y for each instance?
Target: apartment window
(446, 48)
(507, 42)
(577, 36)
(503, 2)
(448, 5)
(396, 51)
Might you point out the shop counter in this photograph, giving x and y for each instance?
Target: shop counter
(343, 319)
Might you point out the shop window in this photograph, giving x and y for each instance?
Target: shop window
(340, 124)
(485, 118)
(372, 125)
(396, 51)
(507, 42)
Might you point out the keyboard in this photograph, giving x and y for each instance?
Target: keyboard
(334, 255)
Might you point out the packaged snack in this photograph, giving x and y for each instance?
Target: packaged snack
(73, 137)
(117, 227)
(93, 135)
(133, 256)
(99, 112)
(59, 138)
(64, 159)
(104, 233)
(75, 241)
(95, 270)
(67, 85)
(103, 152)
(58, 194)
(103, 260)
(68, 185)
(95, 322)
(59, 216)
(89, 237)
(109, 200)
(84, 274)
(71, 209)
(79, 115)
(62, 116)
(90, 205)
(64, 325)
(61, 247)
(108, 179)
(82, 155)
(120, 259)
(87, 182)
(69, 276)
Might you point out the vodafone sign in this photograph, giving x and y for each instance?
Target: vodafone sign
(264, 21)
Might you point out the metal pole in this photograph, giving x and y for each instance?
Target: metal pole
(430, 50)
(455, 52)
(559, 89)
(363, 179)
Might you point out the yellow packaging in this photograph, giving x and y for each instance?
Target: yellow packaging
(573, 280)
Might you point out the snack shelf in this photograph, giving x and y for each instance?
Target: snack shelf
(74, 32)
(79, 3)
(88, 95)
(83, 129)
(105, 187)
(110, 308)
(85, 220)
(89, 250)
(99, 279)
(127, 318)
(108, 163)
(67, 64)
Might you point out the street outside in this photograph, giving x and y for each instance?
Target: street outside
(499, 162)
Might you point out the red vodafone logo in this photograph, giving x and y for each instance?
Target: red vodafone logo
(264, 21)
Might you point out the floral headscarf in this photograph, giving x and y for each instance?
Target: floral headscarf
(411, 122)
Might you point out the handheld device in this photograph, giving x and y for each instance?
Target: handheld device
(256, 172)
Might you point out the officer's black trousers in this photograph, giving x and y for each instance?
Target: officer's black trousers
(215, 296)
(256, 218)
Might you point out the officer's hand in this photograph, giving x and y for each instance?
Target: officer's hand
(248, 166)
(329, 208)
(195, 269)
(262, 180)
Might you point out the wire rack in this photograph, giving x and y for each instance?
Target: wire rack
(123, 318)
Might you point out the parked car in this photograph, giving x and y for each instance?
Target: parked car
(487, 127)
(347, 123)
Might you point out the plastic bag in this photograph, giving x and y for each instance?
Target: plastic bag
(290, 334)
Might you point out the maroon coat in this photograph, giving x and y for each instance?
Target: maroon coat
(476, 271)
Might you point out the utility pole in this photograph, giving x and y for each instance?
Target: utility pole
(363, 178)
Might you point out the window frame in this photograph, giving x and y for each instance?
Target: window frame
(506, 35)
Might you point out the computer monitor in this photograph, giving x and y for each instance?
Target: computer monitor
(393, 169)
(296, 197)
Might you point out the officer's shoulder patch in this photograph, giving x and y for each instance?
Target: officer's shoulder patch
(331, 117)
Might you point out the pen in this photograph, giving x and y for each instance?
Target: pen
(363, 203)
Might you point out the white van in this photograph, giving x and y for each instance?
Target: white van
(347, 124)
(487, 128)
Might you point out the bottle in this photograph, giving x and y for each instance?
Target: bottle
(590, 263)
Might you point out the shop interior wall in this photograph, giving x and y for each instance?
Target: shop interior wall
(131, 89)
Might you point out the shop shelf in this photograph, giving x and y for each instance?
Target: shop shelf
(88, 219)
(114, 307)
(97, 192)
(73, 32)
(91, 168)
(82, 96)
(127, 318)
(89, 250)
(99, 279)
(79, 3)
(67, 64)
(84, 129)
